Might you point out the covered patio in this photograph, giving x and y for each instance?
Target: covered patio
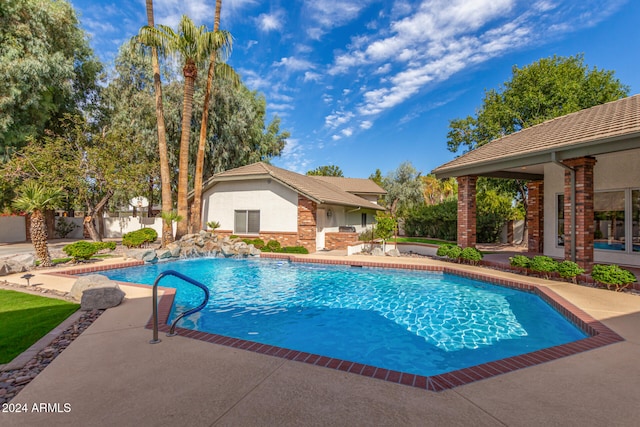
(583, 183)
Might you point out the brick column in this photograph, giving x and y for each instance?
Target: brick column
(535, 216)
(467, 211)
(307, 225)
(584, 218)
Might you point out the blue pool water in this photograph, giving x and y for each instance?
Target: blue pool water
(417, 322)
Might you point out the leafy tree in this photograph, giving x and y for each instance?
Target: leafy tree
(329, 170)
(437, 191)
(35, 199)
(404, 189)
(194, 45)
(386, 226)
(92, 168)
(548, 88)
(46, 69)
(493, 211)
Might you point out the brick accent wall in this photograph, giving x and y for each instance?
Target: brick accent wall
(307, 224)
(285, 239)
(584, 211)
(535, 216)
(467, 211)
(339, 240)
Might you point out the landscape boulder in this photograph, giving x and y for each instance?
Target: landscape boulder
(393, 252)
(101, 298)
(16, 263)
(377, 252)
(90, 281)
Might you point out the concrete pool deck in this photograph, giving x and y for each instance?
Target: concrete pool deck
(111, 374)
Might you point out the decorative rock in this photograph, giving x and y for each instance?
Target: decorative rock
(393, 252)
(16, 263)
(163, 253)
(88, 282)
(150, 256)
(141, 254)
(377, 252)
(101, 298)
(174, 248)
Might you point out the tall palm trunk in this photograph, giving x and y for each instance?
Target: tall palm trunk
(196, 206)
(165, 172)
(39, 238)
(190, 72)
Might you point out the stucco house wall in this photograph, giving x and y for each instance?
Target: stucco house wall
(615, 171)
(278, 205)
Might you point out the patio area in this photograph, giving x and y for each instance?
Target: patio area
(111, 374)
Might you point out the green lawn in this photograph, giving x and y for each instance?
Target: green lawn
(25, 318)
(423, 240)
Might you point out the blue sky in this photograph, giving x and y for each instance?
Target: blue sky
(366, 84)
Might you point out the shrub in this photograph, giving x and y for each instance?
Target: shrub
(471, 254)
(454, 252)
(105, 245)
(520, 261)
(257, 243)
(437, 221)
(272, 246)
(294, 250)
(213, 225)
(367, 235)
(81, 250)
(444, 250)
(64, 227)
(136, 239)
(569, 270)
(543, 264)
(612, 275)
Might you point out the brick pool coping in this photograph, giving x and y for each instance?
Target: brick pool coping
(599, 334)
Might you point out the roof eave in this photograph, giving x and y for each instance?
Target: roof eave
(588, 148)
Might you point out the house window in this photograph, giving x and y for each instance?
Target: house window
(247, 222)
(363, 222)
(560, 217)
(609, 220)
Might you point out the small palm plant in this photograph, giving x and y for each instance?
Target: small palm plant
(213, 225)
(35, 199)
(169, 218)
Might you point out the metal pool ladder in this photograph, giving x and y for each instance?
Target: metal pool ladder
(172, 332)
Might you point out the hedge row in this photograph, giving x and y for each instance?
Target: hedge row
(606, 275)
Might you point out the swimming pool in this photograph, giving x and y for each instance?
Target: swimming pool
(417, 322)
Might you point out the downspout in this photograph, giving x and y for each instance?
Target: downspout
(572, 173)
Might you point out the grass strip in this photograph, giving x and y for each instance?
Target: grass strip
(26, 318)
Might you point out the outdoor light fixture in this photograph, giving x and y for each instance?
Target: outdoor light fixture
(329, 213)
(27, 277)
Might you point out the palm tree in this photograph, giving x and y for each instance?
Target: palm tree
(35, 199)
(220, 69)
(194, 45)
(165, 172)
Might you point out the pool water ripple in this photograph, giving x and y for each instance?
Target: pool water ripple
(417, 322)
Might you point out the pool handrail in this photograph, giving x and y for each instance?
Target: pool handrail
(188, 279)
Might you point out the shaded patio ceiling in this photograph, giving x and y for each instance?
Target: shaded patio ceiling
(602, 129)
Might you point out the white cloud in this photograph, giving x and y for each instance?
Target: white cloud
(294, 64)
(347, 132)
(310, 76)
(328, 14)
(271, 21)
(366, 124)
(338, 118)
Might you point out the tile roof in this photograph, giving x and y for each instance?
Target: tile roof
(602, 123)
(353, 185)
(319, 190)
